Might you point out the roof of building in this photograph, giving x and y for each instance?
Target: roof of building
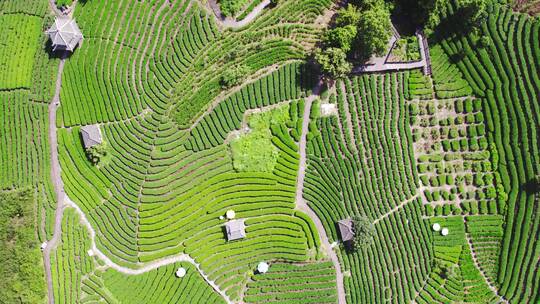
(235, 230)
(346, 229)
(91, 135)
(64, 34)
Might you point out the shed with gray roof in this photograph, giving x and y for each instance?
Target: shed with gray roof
(91, 136)
(346, 230)
(235, 230)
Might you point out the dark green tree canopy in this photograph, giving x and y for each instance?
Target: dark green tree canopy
(364, 231)
(341, 37)
(234, 76)
(98, 154)
(374, 30)
(349, 15)
(333, 62)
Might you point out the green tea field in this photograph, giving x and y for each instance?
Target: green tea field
(269, 151)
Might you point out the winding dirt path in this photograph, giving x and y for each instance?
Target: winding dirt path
(230, 22)
(58, 185)
(301, 204)
(146, 267)
(64, 201)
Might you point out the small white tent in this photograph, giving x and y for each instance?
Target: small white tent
(262, 267)
(444, 232)
(181, 272)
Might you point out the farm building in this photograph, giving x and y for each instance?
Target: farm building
(235, 230)
(91, 136)
(346, 230)
(64, 34)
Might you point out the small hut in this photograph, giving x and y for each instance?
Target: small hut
(65, 34)
(235, 230)
(346, 230)
(91, 136)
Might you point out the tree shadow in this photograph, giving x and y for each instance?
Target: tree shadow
(454, 25)
(407, 16)
(308, 75)
(54, 54)
(532, 186)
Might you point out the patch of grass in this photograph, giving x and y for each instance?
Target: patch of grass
(254, 151)
(21, 268)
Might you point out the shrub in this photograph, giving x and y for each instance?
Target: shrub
(234, 76)
(98, 154)
(364, 231)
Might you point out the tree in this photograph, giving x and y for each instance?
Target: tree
(374, 30)
(349, 15)
(97, 154)
(367, 4)
(234, 76)
(364, 231)
(341, 37)
(22, 265)
(467, 13)
(472, 11)
(333, 62)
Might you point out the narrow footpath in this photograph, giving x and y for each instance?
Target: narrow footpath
(396, 208)
(477, 265)
(301, 204)
(57, 182)
(64, 201)
(230, 22)
(380, 64)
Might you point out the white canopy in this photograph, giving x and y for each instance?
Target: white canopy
(181, 272)
(436, 227)
(444, 232)
(230, 214)
(262, 267)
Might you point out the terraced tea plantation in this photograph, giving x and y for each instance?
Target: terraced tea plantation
(192, 151)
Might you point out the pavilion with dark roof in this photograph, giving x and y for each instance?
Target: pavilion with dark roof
(91, 135)
(65, 34)
(346, 230)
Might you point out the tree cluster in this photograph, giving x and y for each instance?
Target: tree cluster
(97, 154)
(429, 13)
(361, 29)
(364, 231)
(22, 266)
(234, 76)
